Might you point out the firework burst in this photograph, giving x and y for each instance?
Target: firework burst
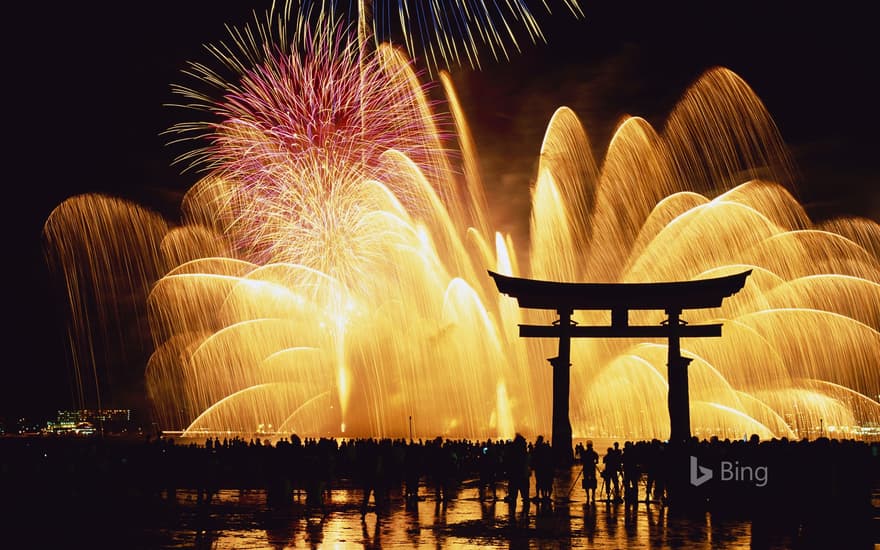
(300, 136)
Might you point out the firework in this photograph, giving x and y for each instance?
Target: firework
(459, 32)
(328, 279)
(301, 137)
(437, 34)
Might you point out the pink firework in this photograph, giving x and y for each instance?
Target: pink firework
(300, 133)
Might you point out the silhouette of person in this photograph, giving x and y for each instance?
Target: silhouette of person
(487, 463)
(371, 471)
(518, 471)
(612, 462)
(589, 463)
(631, 468)
(652, 469)
(542, 463)
(412, 465)
(442, 466)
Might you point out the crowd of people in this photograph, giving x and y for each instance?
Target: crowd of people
(638, 472)
(623, 470)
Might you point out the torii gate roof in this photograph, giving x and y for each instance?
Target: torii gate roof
(680, 295)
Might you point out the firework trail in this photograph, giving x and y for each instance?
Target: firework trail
(455, 33)
(443, 34)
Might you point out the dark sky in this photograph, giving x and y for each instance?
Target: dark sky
(85, 85)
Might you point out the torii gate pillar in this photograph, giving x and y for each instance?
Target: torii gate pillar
(677, 376)
(678, 397)
(560, 439)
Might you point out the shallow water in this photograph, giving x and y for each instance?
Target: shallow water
(241, 519)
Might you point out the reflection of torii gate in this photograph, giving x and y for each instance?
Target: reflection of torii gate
(619, 298)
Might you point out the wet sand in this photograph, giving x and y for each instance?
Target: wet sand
(242, 519)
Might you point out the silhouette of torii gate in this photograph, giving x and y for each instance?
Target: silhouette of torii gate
(620, 298)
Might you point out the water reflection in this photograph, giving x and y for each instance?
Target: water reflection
(589, 522)
(239, 519)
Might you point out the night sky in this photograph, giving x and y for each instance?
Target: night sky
(85, 85)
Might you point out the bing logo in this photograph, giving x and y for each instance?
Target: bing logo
(730, 471)
(699, 474)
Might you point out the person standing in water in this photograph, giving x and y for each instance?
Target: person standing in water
(589, 463)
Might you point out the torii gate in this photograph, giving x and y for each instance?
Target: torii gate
(620, 298)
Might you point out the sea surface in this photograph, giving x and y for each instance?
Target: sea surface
(242, 519)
